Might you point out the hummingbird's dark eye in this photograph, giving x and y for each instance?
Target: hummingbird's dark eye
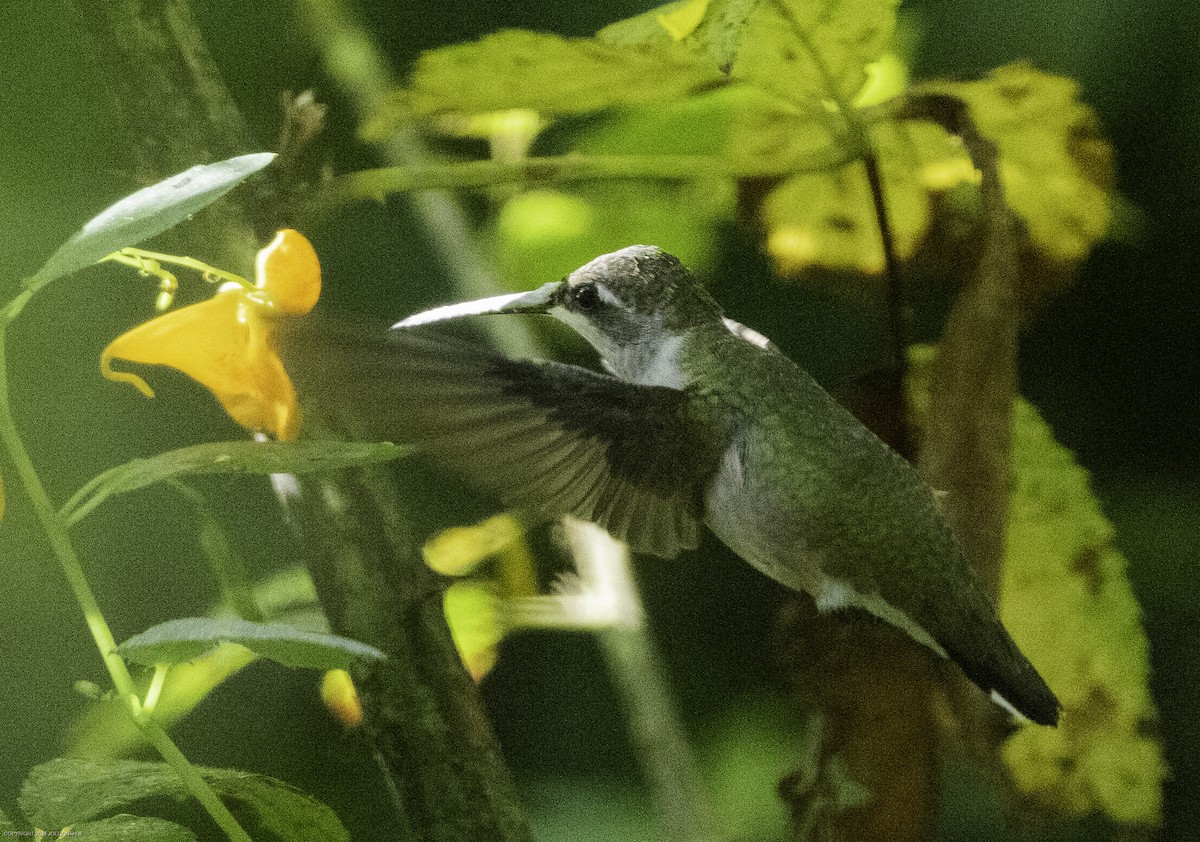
(587, 297)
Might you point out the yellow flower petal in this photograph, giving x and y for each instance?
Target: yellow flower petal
(289, 272)
(459, 550)
(340, 696)
(223, 344)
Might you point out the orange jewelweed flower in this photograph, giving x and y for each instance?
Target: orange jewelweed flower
(224, 343)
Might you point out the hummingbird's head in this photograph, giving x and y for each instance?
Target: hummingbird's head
(637, 296)
(625, 304)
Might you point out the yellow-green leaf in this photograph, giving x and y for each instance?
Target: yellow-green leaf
(680, 22)
(827, 219)
(810, 51)
(1057, 169)
(1067, 600)
(552, 74)
(710, 27)
(1090, 647)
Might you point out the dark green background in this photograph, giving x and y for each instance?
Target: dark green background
(1111, 363)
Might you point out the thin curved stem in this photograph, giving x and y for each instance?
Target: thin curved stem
(860, 147)
(64, 551)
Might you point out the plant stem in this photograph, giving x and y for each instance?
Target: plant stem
(902, 441)
(227, 566)
(968, 438)
(64, 551)
(859, 146)
(637, 669)
(381, 182)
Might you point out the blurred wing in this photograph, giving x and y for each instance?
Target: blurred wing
(554, 439)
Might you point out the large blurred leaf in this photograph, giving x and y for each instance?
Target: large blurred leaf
(125, 828)
(552, 74)
(1067, 599)
(66, 791)
(179, 641)
(714, 26)
(807, 51)
(827, 219)
(1091, 648)
(229, 457)
(1056, 168)
(149, 211)
(1056, 171)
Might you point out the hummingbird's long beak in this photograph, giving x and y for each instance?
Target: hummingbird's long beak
(539, 300)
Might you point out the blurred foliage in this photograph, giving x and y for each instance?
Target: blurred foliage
(65, 159)
(516, 69)
(804, 96)
(1106, 756)
(1056, 166)
(64, 793)
(1067, 600)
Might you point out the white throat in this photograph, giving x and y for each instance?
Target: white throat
(653, 363)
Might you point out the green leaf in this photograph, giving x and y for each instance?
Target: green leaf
(808, 52)
(179, 641)
(552, 74)
(5, 822)
(126, 828)
(67, 791)
(1067, 599)
(106, 730)
(1056, 168)
(719, 34)
(147, 212)
(827, 219)
(231, 457)
(1061, 551)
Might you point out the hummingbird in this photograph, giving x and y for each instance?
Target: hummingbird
(696, 420)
